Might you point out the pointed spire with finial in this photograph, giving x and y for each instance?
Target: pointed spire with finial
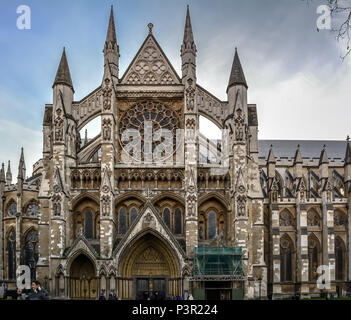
(348, 151)
(298, 157)
(111, 31)
(22, 166)
(271, 157)
(2, 174)
(111, 48)
(188, 39)
(188, 48)
(237, 76)
(63, 75)
(324, 157)
(9, 174)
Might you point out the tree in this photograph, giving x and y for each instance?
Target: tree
(340, 16)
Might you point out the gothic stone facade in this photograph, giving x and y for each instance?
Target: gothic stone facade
(89, 220)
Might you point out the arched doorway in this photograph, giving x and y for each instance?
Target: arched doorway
(82, 280)
(149, 266)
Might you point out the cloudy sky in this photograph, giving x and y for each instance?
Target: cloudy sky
(295, 74)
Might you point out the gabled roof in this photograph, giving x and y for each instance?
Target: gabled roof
(150, 66)
(149, 209)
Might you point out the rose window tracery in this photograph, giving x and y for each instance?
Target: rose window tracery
(163, 122)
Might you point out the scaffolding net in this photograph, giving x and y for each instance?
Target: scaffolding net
(210, 261)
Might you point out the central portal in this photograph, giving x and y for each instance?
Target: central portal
(149, 270)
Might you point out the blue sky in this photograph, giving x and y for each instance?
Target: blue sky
(294, 73)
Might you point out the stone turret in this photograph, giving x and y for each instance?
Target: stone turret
(297, 163)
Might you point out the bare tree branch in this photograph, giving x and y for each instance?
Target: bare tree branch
(340, 13)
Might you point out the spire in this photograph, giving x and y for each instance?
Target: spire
(111, 49)
(271, 157)
(63, 75)
(9, 174)
(2, 174)
(188, 48)
(298, 158)
(111, 31)
(237, 74)
(324, 157)
(348, 151)
(188, 40)
(22, 166)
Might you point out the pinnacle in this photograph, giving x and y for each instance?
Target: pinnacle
(237, 74)
(63, 75)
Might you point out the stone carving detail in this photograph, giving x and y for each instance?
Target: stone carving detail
(274, 191)
(106, 129)
(191, 124)
(105, 205)
(329, 190)
(58, 126)
(190, 96)
(56, 205)
(302, 190)
(239, 125)
(241, 205)
(149, 221)
(150, 67)
(107, 94)
(191, 205)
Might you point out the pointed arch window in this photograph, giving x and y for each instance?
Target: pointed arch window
(11, 255)
(212, 225)
(167, 217)
(12, 210)
(177, 221)
(313, 261)
(31, 252)
(339, 259)
(286, 219)
(340, 219)
(122, 221)
(89, 225)
(32, 209)
(285, 260)
(133, 215)
(313, 219)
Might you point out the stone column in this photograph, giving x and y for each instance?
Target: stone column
(302, 247)
(108, 155)
(190, 175)
(275, 249)
(328, 235)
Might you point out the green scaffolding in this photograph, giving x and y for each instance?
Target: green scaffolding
(210, 261)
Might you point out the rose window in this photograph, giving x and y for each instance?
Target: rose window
(156, 125)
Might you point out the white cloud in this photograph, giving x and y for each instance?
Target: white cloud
(13, 137)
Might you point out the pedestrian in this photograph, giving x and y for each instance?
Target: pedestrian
(102, 296)
(37, 292)
(190, 297)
